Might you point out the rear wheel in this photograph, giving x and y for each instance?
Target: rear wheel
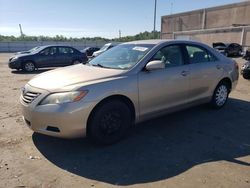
(75, 62)
(220, 95)
(109, 122)
(29, 66)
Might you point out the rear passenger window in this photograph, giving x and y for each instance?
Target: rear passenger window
(199, 55)
(65, 50)
(171, 56)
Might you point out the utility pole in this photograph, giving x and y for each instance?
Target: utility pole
(171, 10)
(21, 31)
(120, 34)
(155, 18)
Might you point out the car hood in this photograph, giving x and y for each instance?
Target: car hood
(22, 52)
(63, 77)
(22, 55)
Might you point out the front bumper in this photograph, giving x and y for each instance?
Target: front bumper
(14, 64)
(67, 120)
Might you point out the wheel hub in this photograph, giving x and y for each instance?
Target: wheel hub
(111, 123)
(221, 95)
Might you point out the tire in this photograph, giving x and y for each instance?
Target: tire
(75, 62)
(246, 76)
(29, 66)
(109, 122)
(220, 95)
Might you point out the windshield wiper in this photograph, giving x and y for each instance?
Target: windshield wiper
(100, 65)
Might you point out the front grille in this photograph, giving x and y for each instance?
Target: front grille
(28, 97)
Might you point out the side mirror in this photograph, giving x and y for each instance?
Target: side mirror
(155, 65)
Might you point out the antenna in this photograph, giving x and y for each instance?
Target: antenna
(21, 31)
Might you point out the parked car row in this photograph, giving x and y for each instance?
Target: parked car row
(228, 49)
(89, 51)
(53, 56)
(234, 49)
(47, 56)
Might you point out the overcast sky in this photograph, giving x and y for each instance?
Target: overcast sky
(90, 18)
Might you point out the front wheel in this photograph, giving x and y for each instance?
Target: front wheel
(246, 76)
(109, 122)
(29, 66)
(220, 95)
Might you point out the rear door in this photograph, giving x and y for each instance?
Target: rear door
(65, 55)
(205, 71)
(164, 88)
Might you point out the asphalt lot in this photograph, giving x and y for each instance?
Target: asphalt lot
(198, 147)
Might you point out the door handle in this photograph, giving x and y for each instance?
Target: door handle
(184, 73)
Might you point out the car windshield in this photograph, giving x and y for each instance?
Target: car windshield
(122, 57)
(34, 49)
(105, 47)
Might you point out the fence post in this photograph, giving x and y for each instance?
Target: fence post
(8, 44)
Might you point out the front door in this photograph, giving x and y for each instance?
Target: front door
(164, 88)
(47, 57)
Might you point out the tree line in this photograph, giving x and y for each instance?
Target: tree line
(60, 38)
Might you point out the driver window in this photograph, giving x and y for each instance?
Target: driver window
(49, 51)
(171, 56)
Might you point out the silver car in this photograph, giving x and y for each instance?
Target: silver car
(130, 83)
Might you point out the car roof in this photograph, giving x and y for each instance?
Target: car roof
(56, 45)
(162, 41)
(154, 41)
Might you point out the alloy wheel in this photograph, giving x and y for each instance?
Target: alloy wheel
(221, 95)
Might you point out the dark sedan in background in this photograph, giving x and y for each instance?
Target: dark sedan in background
(47, 56)
(90, 50)
(228, 49)
(245, 70)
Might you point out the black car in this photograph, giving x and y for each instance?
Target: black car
(246, 55)
(245, 70)
(228, 49)
(90, 50)
(47, 56)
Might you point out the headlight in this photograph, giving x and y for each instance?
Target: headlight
(14, 58)
(65, 97)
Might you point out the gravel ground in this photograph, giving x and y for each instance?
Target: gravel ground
(198, 147)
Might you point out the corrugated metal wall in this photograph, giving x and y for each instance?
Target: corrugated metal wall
(228, 23)
(22, 46)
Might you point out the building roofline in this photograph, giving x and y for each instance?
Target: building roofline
(233, 5)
